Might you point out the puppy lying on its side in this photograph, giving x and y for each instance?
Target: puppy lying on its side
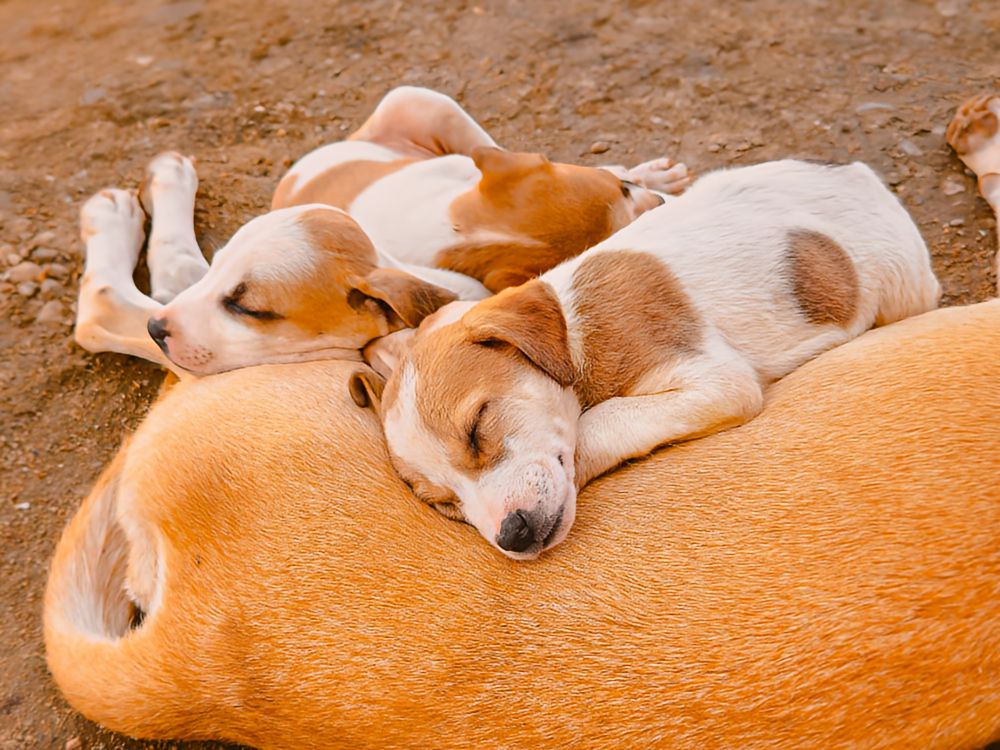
(499, 411)
(434, 212)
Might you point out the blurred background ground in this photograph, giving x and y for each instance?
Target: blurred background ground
(90, 90)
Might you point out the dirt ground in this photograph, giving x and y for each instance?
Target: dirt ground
(90, 90)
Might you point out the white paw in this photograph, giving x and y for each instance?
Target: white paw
(974, 133)
(113, 212)
(663, 175)
(172, 276)
(169, 172)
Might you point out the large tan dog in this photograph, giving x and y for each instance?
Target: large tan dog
(824, 576)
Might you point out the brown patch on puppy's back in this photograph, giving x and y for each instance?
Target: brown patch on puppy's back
(824, 280)
(634, 315)
(337, 186)
(535, 214)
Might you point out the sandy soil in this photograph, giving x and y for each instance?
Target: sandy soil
(91, 90)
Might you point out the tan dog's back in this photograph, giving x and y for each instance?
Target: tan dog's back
(825, 576)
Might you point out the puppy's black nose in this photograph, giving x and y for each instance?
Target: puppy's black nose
(515, 534)
(158, 332)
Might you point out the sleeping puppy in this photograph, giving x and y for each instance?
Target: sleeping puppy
(499, 411)
(418, 207)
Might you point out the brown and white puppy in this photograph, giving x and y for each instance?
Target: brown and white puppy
(823, 576)
(669, 330)
(436, 210)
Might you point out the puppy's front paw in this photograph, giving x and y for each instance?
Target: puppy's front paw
(663, 175)
(169, 171)
(974, 133)
(113, 212)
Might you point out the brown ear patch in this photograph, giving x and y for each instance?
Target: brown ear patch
(530, 319)
(498, 165)
(634, 315)
(337, 186)
(366, 388)
(824, 280)
(409, 300)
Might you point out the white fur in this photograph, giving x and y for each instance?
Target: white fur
(324, 158)
(407, 213)
(175, 260)
(725, 241)
(538, 482)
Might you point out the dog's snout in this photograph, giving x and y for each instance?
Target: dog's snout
(516, 534)
(157, 328)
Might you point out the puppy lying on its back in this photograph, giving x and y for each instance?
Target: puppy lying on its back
(500, 410)
(417, 208)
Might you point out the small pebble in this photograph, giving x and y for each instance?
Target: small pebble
(952, 187)
(599, 147)
(956, 223)
(45, 254)
(947, 8)
(56, 270)
(872, 106)
(27, 288)
(73, 743)
(50, 289)
(44, 238)
(910, 148)
(24, 271)
(51, 312)
(25, 506)
(13, 259)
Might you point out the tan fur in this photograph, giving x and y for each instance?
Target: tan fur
(530, 319)
(824, 576)
(626, 326)
(448, 407)
(824, 280)
(336, 187)
(410, 299)
(538, 213)
(499, 265)
(318, 302)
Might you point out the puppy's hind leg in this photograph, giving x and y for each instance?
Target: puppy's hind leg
(175, 260)
(111, 312)
(974, 133)
(420, 122)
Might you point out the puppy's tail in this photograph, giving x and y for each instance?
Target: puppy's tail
(97, 647)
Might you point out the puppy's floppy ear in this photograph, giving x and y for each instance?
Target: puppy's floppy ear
(529, 318)
(498, 165)
(404, 299)
(366, 389)
(384, 354)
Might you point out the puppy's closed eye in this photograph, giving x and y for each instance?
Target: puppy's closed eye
(473, 434)
(234, 303)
